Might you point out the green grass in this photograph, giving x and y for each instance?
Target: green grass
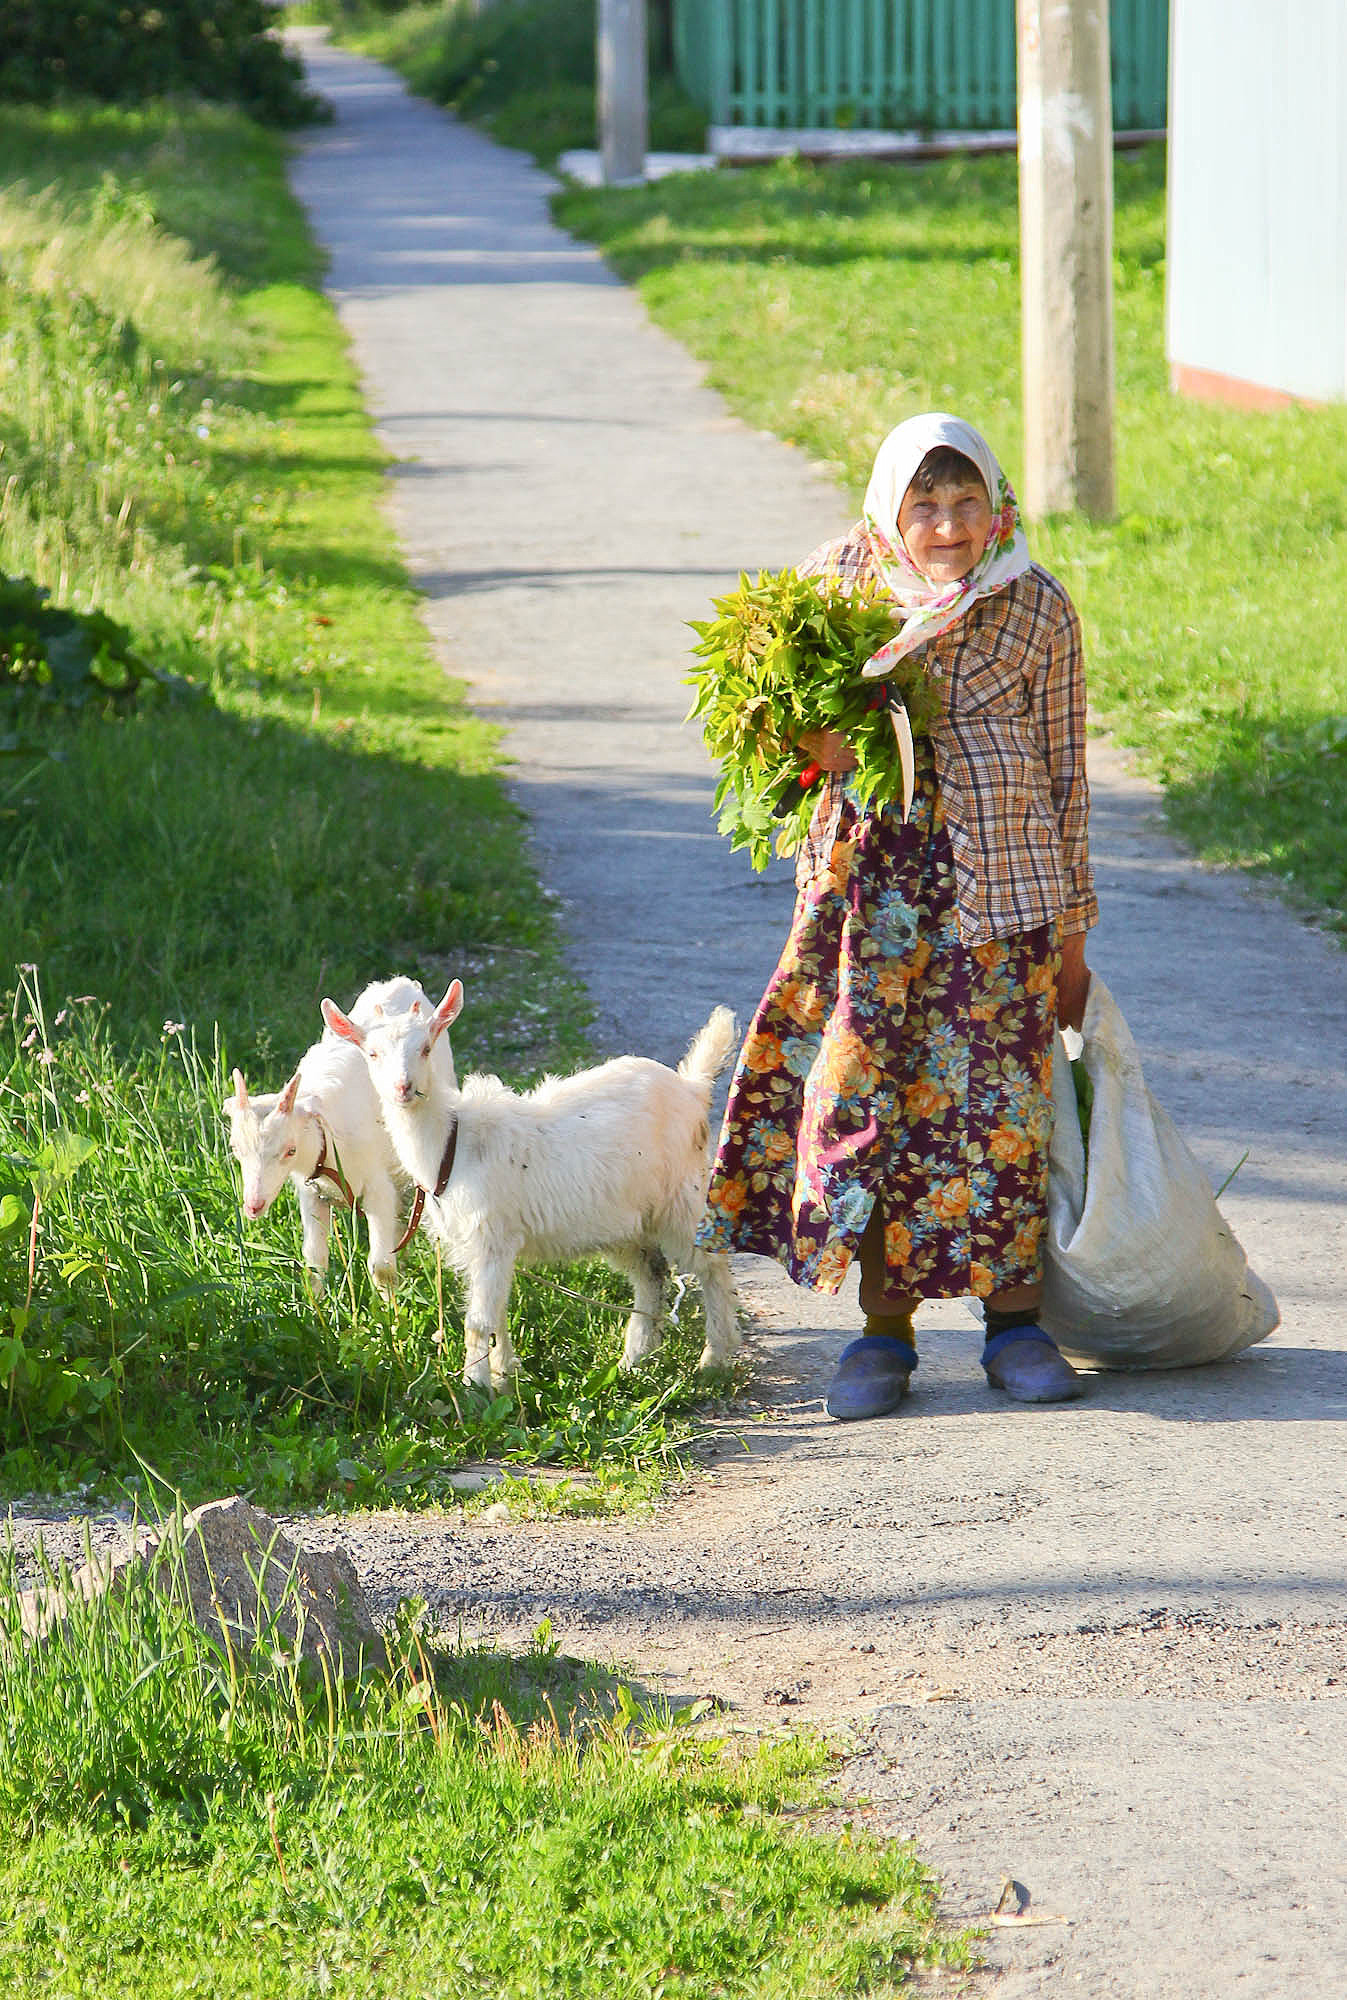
(191, 455)
(830, 302)
(182, 1820)
(184, 448)
(158, 1329)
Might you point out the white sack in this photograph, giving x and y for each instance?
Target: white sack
(1141, 1271)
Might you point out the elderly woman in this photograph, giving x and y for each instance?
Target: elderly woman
(891, 1101)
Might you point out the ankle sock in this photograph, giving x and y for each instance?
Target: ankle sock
(997, 1322)
(898, 1326)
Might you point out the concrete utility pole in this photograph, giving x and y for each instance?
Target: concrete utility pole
(623, 116)
(1066, 255)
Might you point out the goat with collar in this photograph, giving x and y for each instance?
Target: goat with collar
(610, 1162)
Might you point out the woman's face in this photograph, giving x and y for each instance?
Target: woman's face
(946, 530)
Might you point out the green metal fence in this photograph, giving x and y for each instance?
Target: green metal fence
(931, 65)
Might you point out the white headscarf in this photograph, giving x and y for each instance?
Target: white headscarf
(928, 608)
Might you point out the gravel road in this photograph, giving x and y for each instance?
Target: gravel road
(1097, 1648)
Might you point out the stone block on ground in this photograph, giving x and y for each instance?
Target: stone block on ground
(244, 1577)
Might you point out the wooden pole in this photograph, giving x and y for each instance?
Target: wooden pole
(623, 114)
(1066, 256)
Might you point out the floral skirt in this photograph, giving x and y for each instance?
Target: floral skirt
(888, 1062)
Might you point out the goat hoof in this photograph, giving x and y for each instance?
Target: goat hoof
(638, 1346)
(713, 1362)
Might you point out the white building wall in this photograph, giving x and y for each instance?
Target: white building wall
(1257, 249)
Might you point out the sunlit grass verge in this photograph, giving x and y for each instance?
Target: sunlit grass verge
(183, 446)
(830, 302)
(182, 1819)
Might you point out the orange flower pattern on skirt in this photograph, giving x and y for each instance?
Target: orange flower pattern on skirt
(890, 1062)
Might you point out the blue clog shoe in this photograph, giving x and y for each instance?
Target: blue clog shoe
(1024, 1361)
(872, 1377)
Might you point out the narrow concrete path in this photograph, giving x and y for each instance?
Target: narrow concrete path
(568, 495)
(1098, 1649)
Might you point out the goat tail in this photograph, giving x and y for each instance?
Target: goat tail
(710, 1050)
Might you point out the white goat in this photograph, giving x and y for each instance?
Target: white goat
(323, 1132)
(612, 1161)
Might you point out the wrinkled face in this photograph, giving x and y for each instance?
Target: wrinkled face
(264, 1144)
(946, 530)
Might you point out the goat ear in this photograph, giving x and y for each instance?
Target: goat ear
(448, 1010)
(341, 1024)
(240, 1096)
(286, 1103)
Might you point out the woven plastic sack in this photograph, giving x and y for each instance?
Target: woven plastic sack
(1141, 1269)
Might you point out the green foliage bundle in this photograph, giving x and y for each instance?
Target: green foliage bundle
(123, 51)
(783, 657)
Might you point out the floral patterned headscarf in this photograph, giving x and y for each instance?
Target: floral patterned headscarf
(927, 609)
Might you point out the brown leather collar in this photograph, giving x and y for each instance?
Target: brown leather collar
(326, 1171)
(447, 1158)
(413, 1222)
(419, 1199)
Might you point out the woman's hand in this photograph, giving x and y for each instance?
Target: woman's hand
(1073, 982)
(829, 749)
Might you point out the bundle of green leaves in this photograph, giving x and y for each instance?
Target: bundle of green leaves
(783, 657)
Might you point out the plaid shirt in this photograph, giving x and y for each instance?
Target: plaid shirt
(1009, 750)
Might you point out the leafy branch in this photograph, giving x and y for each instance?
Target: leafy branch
(782, 658)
